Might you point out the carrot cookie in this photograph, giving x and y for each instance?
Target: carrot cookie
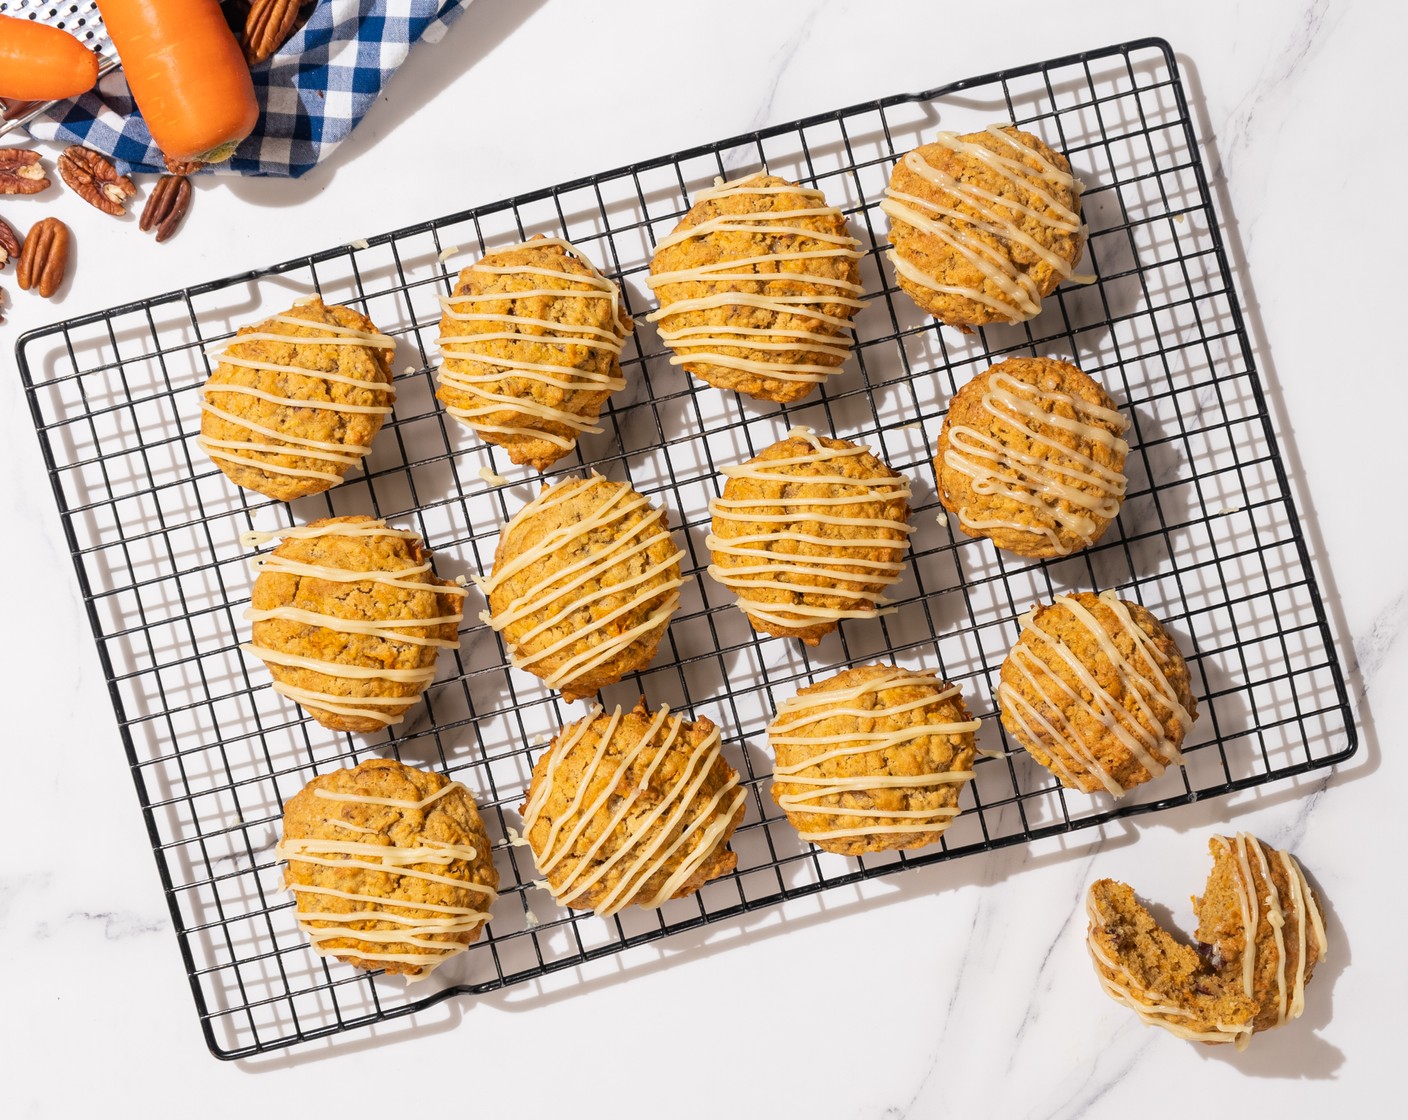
(983, 226)
(349, 618)
(531, 341)
(1260, 935)
(1031, 456)
(390, 867)
(294, 402)
(585, 579)
(809, 532)
(632, 808)
(872, 758)
(1097, 692)
(757, 286)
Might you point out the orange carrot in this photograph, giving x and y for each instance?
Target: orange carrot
(187, 75)
(42, 63)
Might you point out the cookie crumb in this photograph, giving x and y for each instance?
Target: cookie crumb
(360, 243)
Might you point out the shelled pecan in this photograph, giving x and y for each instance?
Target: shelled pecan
(181, 167)
(9, 244)
(166, 205)
(44, 258)
(21, 172)
(267, 27)
(95, 180)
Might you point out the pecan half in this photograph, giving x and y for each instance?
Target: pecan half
(166, 205)
(9, 244)
(21, 172)
(181, 167)
(96, 180)
(267, 27)
(44, 257)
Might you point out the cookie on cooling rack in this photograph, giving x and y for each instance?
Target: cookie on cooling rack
(872, 759)
(585, 579)
(983, 226)
(1097, 692)
(531, 344)
(809, 532)
(349, 618)
(1031, 456)
(1260, 935)
(632, 809)
(757, 285)
(390, 867)
(294, 402)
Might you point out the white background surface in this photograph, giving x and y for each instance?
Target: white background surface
(959, 989)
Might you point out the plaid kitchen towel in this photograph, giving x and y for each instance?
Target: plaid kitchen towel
(311, 93)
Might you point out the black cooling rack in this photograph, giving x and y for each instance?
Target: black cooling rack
(1209, 538)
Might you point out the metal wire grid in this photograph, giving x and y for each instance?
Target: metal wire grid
(1209, 538)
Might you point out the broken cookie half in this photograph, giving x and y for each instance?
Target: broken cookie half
(1260, 935)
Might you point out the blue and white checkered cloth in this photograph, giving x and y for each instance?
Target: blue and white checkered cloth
(311, 93)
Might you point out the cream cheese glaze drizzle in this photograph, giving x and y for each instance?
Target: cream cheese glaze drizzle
(410, 577)
(428, 927)
(1153, 1008)
(269, 441)
(564, 588)
(1144, 680)
(799, 713)
(1300, 911)
(646, 846)
(1001, 217)
(483, 379)
(700, 343)
(1058, 477)
(789, 571)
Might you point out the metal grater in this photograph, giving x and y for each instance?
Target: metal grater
(80, 19)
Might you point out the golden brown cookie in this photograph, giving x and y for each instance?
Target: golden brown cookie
(1031, 457)
(295, 401)
(983, 226)
(632, 809)
(390, 866)
(872, 759)
(349, 618)
(1097, 692)
(531, 341)
(585, 579)
(757, 286)
(809, 532)
(1260, 935)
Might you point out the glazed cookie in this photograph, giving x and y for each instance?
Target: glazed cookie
(757, 286)
(632, 808)
(531, 341)
(349, 618)
(983, 226)
(1097, 692)
(809, 532)
(390, 867)
(1031, 456)
(585, 579)
(295, 401)
(872, 758)
(1260, 935)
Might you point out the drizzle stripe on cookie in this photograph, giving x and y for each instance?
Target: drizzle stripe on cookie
(1047, 723)
(411, 577)
(427, 927)
(783, 227)
(1056, 476)
(565, 586)
(475, 367)
(795, 572)
(250, 452)
(641, 852)
(802, 712)
(999, 216)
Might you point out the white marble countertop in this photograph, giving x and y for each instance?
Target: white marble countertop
(958, 989)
